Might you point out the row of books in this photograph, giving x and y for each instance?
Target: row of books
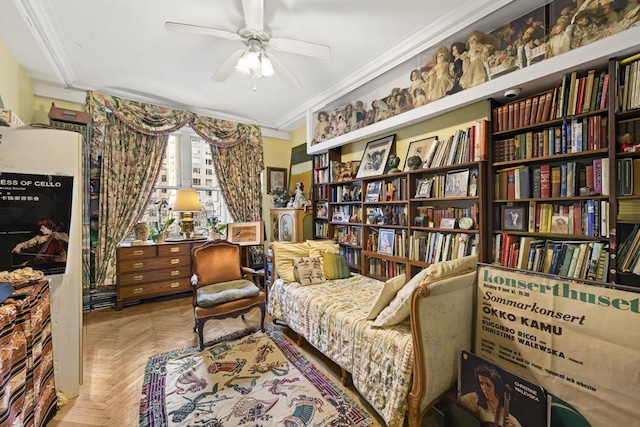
(347, 213)
(387, 215)
(432, 247)
(321, 160)
(573, 259)
(455, 183)
(558, 180)
(582, 218)
(629, 84)
(320, 192)
(385, 268)
(573, 95)
(353, 255)
(346, 193)
(348, 235)
(628, 177)
(465, 145)
(387, 190)
(572, 136)
(629, 210)
(629, 252)
(321, 229)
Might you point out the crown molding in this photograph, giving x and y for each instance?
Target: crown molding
(413, 45)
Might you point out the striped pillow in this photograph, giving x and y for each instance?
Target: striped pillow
(335, 266)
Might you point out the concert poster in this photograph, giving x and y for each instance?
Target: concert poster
(35, 215)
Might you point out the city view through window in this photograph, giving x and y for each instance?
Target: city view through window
(187, 163)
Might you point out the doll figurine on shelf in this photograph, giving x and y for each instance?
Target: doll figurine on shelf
(473, 69)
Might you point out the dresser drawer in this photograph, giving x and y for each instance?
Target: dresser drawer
(136, 252)
(146, 264)
(172, 249)
(151, 289)
(157, 275)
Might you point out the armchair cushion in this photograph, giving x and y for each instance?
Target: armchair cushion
(219, 293)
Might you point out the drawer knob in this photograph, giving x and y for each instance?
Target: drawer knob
(175, 261)
(138, 277)
(138, 252)
(175, 249)
(138, 290)
(138, 264)
(175, 284)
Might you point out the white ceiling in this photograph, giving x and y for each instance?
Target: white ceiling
(121, 47)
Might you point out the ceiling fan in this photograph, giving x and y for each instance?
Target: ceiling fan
(253, 58)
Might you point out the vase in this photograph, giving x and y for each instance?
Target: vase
(214, 235)
(162, 236)
(141, 231)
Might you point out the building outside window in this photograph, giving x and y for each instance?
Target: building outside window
(181, 167)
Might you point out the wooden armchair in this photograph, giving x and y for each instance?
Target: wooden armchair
(221, 286)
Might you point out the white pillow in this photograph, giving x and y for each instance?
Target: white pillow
(386, 294)
(400, 308)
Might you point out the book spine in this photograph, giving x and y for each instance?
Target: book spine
(545, 181)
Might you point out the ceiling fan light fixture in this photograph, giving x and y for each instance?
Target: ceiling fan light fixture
(266, 68)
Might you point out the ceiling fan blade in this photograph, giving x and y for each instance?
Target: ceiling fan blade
(196, 29)
(227, 68)
(253, 14)
(279, 68)
(303, 48)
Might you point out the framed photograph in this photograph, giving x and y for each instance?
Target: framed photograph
(418, 149)
(373, 191)
(322, 210)
(337, 217)
(276, 177)
(385, 241)
(245, 233)
(447, 223)
(374, 158)
(513, 218)
(423, 188)
(457, 183)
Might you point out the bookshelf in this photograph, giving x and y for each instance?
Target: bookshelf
(550, 166)
(390, 224)
(625, 131)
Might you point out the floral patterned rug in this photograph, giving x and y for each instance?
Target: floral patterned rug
(259, 379)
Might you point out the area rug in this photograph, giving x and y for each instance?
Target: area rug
(257, 380)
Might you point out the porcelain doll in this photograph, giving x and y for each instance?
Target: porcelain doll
(441, 76)
(473, 69)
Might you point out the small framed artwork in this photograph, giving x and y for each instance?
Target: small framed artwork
(513, 218)
(373, 191)
(423, 188)
(276, 177)
(418, 149)
(385, 241)
(245, 233)
(337, 217)
(457, 183)
(374, 158)
(448, 223)
(322, 210)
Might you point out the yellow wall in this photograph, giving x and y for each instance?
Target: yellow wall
(277, 154)
(16, 88)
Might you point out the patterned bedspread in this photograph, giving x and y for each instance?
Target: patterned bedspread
(332, 317)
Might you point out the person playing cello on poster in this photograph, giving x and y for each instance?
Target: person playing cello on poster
(47, 247)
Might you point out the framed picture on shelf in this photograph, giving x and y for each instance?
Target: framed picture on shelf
(419, 149)
(447, 223)
(374, 158)
(473, 182)
(337, 217)
(423, 189)
(457, 183)
(513, 218)
(385, 241)
(276, 177)
(373, 191)
(245, 233)
(322, 210)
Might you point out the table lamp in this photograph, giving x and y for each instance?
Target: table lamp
(187, 202)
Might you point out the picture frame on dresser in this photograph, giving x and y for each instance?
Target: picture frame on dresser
(375, 156)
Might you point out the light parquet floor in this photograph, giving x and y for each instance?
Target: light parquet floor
(117, 345)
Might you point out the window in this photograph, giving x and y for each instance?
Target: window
(181, 168)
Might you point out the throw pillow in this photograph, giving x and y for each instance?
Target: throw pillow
(335, 266)
(308, 270)
(399, 309)
(317, 248)
(284, 253)
(386, 295)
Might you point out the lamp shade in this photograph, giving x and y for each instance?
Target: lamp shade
(187, 200)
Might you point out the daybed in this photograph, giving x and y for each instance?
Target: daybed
(400, 369)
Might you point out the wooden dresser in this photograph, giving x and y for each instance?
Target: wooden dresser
(153, 270)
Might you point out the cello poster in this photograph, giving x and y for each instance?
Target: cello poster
(35, 213)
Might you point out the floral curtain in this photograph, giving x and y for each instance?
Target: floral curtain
(131, 138)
